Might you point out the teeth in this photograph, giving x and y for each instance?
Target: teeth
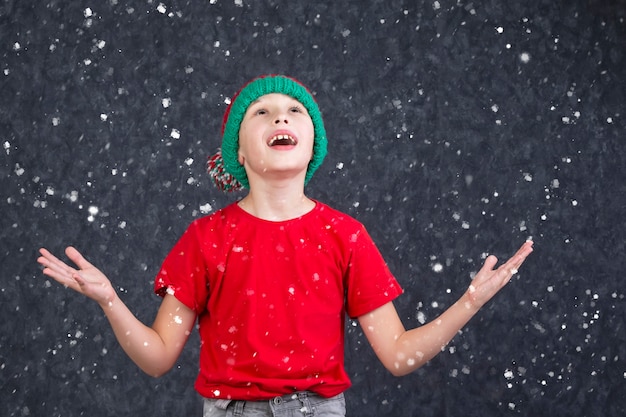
(281, 137)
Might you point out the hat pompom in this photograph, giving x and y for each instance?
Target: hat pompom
(222, 179)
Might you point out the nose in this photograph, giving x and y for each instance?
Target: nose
(281, 116)
(281, 119)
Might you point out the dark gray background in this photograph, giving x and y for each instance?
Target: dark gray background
(456, 129)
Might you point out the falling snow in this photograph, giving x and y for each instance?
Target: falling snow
(549, 309)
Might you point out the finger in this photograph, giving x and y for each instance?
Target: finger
(486, 270)
(57, 269)
(62, 278)
(77, 258)
(489, 264)
(79, 280)
(513, 263)
(54, 264)
(526, 249)
(505, 272)
(520, 256)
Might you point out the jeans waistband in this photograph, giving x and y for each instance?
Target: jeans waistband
(303, 401)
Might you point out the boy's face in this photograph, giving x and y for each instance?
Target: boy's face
(276, 138)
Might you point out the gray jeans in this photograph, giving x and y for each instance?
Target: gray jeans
(299, 404)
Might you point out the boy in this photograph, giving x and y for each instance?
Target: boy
(271, 277)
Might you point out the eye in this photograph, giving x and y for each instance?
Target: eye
(260, 112)
(295, 109)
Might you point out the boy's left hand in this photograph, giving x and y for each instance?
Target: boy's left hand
(488, 281)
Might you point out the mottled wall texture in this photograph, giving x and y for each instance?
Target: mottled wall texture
(457, 129)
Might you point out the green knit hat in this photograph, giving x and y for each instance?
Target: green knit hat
(224, 167)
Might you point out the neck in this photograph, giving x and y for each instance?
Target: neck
(277, 202)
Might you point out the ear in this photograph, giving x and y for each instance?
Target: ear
(240, 158)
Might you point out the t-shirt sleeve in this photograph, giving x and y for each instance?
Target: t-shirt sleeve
(183, 272)
(370, 283)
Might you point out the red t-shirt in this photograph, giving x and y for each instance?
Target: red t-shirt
(271, 298)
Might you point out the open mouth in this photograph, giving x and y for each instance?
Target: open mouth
(282, 140)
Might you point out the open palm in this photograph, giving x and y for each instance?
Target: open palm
(85, 279)
(488, 281)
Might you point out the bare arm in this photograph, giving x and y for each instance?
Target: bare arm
(154, 349)
(402, 351)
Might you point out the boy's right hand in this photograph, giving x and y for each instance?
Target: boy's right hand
(87, 279)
